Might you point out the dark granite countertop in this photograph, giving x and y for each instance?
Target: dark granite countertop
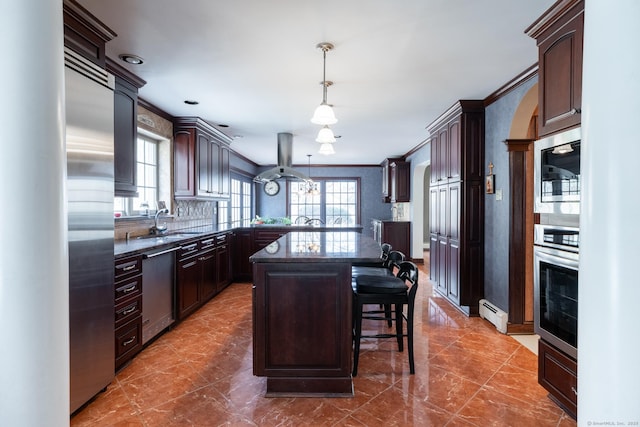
(320, 246)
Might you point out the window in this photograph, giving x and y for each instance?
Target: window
(147, 168)
(237, 211)
(147, 174)
(333, 201)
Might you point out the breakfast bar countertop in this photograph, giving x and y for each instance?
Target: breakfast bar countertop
(319, 246)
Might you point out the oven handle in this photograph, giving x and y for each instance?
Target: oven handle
(556, 256)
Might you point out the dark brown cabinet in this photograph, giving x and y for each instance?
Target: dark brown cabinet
(457, 204)
(127, 308)
(396, 233)
(124, 137)
(559, 34)
(201, 160)
(243, 248)
(202, 272)
(396, 180)
(558, 374)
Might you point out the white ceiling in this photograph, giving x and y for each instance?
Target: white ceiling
(253, 65)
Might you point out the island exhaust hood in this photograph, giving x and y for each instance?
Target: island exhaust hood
(283, 169)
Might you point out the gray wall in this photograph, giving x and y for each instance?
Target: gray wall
(498, 118)
(371, 193)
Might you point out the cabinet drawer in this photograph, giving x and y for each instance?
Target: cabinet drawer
(128, 289)
(557, 373)
(128, 310)
(128, 340)
(222, 239)
(207, 243)
(127, 267)
(187, 250)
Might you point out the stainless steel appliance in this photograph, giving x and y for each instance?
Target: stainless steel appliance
(158, 269)
(556, 286)
(89, 146)
(557, 173)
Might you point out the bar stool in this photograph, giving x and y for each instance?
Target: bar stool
(399, 290)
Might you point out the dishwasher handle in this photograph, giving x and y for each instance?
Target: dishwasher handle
(155, 254)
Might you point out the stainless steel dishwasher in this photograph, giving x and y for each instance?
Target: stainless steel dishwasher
(158, 294)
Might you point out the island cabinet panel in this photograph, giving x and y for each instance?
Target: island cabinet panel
(302, 327)
(559, 34)
(457, 204)
(243, 248)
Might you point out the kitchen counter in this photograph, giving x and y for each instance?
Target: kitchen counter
(302, 311)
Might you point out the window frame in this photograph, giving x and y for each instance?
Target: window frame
(322, 187)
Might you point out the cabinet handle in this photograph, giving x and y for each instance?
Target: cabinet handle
(205, 258)
(129, 341)
(573, 389)
(129, 289)
(129, 310)
(129, 267)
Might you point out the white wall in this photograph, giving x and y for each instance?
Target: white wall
(34, 295)
(608, 342)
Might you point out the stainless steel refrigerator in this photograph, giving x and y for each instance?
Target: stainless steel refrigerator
(89, 145)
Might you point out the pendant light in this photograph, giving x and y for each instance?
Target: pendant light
(325, 135)
(324, 113)
(326, 148)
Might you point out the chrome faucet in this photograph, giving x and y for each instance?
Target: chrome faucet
(159, 229)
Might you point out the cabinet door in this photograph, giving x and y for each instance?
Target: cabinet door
(224, 189)
(400, 181)
(203, 154)
(558, 374)
(222, 267)
(188, 278)
(184, 157)
(443, 153)
(386, 190)
(442, 264)
(243, 248)
(124, 138)
(454, 158)
(434, 253)
(208, 285)
(560, 75)
(453, 245)
(435, 156)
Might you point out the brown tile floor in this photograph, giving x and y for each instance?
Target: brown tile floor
(200, 374)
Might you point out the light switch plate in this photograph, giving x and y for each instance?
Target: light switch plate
(499, 194)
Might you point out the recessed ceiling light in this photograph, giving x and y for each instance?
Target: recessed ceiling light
(191, 102)
(131, 59)
(223, 125)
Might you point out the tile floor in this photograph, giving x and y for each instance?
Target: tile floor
(200, 374)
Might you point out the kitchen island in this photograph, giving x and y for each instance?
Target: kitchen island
(302, 295)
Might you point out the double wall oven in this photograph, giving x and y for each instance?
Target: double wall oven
(557, 239)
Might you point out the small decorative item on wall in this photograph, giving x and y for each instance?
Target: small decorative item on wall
(490, 180)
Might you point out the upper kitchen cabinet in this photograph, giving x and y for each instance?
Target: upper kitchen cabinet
(201, 160)
(84, 34)
(457, 143)
(396, 173)
(125, 129)
(558, 34)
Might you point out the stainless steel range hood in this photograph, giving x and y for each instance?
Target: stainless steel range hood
(283, 169)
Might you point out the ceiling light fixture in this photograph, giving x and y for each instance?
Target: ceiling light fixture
(131, 59)
(309, 188)
(324, 113)
(325, 135)
(326, 148)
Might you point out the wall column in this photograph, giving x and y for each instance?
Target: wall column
(608, 344)
(34, 313)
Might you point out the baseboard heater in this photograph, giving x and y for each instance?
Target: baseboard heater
(494, 315)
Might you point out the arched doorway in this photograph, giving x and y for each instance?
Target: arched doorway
(420, 208)
(522, 135)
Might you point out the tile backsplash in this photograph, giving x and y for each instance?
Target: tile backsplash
(187, 214)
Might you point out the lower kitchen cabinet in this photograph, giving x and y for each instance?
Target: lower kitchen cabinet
(558, 374)
(243, 248)
(202, 272)
(396, 233)
(127, 308)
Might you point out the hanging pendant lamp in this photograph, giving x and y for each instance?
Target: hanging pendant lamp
(325, 135)
(326, 148)
(324, 113)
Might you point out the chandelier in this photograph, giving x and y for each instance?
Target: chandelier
(309, 188)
